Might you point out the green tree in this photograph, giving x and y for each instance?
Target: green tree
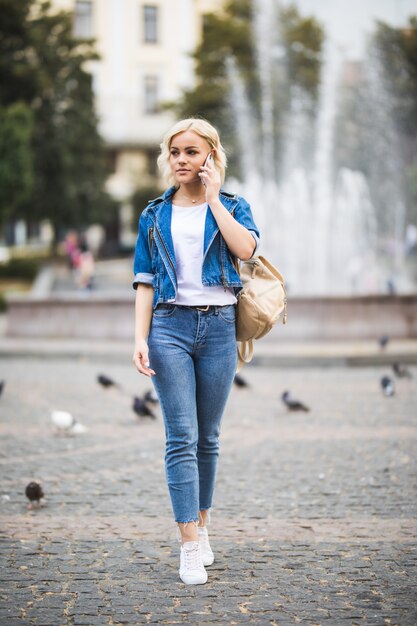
(303, 40)
(377, 122)
(45, 66)
(16, 158)
(17, 78)
(397, 48)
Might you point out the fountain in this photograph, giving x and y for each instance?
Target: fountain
(323, 226)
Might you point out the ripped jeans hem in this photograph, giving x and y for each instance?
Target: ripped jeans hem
(197, 521)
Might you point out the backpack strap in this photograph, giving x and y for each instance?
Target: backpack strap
(245, 351)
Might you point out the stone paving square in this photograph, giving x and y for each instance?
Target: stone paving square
(314, 519)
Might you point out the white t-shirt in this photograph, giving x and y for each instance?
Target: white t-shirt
(187, 229)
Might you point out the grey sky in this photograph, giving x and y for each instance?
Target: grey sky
(349, 21)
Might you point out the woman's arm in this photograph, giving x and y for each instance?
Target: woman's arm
(238, 239)
(143, 316)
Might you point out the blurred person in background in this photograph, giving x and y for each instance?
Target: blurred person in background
(71, 249)
(185, 336)
(85, 266)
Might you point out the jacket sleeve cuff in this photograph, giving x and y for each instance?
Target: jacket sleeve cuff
(255, 236)
(142, 277)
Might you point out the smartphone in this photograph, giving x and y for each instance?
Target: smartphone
(209, 159)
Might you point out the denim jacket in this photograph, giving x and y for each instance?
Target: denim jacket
(154, 262)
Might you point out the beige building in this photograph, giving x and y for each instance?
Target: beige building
(145, 48)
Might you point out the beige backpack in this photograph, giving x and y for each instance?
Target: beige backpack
(260, 304)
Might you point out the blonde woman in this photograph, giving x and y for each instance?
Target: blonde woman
(185, 339)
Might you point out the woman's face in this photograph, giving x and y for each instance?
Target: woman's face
(187, 153)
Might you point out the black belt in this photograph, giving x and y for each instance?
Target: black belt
(204, 309)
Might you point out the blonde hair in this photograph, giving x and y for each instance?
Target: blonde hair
(206, 131)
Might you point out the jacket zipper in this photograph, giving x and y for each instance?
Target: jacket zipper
(150, 241)
(166, 251)
(221, 264)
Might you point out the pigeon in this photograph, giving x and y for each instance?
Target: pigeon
(388, 386)
(239, 381)
(401, 371)
(78, 429)
(293, 405)
(383, 341)
(65, 423)
(141, 409)
(106, 382)
(2, 383)
(150, 397)
(34, 493)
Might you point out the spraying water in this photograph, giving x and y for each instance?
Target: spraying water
(319, 224)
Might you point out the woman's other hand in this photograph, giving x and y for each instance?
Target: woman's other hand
(141, 358)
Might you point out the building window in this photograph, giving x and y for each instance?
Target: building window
(151, 94)
(83, 19)
(150, 23)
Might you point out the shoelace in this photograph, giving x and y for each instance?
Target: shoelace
(192, 558)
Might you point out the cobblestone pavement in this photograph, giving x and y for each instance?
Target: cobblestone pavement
(314, 519)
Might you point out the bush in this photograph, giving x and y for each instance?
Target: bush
(25, 269)
(3, 304)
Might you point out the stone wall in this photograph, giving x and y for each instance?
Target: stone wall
(112, 317)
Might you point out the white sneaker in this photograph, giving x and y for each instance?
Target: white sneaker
(192, 570)
(206, 551)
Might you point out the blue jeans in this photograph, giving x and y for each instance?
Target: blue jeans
(194, 357)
